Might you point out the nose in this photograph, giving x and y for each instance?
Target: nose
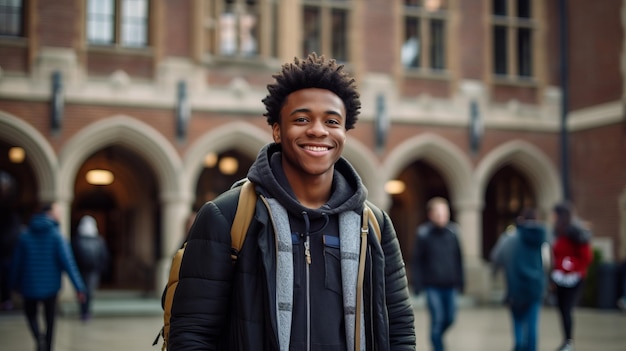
(317, 128)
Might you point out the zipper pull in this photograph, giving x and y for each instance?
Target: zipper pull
(307, 251)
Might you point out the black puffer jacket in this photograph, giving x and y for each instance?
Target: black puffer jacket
(221, 306)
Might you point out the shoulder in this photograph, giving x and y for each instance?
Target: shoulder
(380, 214)
(453, 227)
(424, 230)
(220, 211)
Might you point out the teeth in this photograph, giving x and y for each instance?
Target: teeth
(316, 148)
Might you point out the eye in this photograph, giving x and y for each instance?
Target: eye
(301, 119)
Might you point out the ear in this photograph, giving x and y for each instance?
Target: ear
(276, 132)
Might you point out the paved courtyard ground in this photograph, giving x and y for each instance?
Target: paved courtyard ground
(476, 329)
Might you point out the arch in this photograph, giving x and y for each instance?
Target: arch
(128, 132)
(366, 164)
(446, 157)
(41, 156)
(530, 160)
(237, 135)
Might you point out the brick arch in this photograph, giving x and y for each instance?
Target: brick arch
(241, 136)
(40, 154)
(366, 164)
(128, 132)
(446, 157)
(531, 161)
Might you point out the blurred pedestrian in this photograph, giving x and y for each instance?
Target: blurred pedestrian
(92, 257)
(41, 255)
(572, 256)
(437, 268)
(521, 257)
(497, 256)
(621, 301)
(10, 228)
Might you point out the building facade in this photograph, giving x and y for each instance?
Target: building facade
(470, 100)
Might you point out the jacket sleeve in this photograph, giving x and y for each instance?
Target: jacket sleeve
(461, 268)
(586, 257)
(15, 274)
(399, 307)
(69, 263)
(202, 298)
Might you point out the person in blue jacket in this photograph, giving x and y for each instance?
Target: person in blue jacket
(40, 258)
(526, 278)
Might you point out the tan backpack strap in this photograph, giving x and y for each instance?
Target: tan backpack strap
(243, 216)
(374, 221)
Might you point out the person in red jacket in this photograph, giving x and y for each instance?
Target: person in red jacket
(572, 256)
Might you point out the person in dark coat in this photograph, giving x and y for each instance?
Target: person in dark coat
(92, 257)
(437, 268)
(526, 279)
(294, 285)
(41, 256)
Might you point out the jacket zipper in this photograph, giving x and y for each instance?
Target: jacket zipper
(307, 257)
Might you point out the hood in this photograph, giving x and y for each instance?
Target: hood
(348, 192)
(41, 223)
(88, 226)
(532, 234)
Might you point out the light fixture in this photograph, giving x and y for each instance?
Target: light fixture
(395, 187)
(228, 165)
(210, 160)
(99, 177)
(16, 154)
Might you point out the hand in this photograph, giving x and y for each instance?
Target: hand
(81, 297)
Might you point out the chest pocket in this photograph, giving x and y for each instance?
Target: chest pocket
(332, 263)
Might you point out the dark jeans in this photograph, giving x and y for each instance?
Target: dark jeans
(526, 326)
(92, 281)
(31, 311)
(442, 307)
(566, 299)
(5, 290)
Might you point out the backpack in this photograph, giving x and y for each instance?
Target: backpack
(238, 230)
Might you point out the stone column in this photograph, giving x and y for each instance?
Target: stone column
(469, 217)
(175, 210)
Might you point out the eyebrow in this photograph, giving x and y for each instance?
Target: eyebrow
(307, 110)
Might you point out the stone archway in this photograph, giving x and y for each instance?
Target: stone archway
(158, 197)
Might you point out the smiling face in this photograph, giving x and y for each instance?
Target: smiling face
(311, 132)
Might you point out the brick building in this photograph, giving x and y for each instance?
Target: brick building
(461, 99)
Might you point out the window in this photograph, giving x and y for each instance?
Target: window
(11, 18)
(325, 28)
(241, 28)
(513, 29)
(424, 45)
(121, 22)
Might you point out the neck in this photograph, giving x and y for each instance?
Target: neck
(311, 191)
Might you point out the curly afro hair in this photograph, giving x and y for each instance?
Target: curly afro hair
(312, 72)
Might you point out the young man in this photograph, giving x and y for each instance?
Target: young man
(437, 268)
(294, 284)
